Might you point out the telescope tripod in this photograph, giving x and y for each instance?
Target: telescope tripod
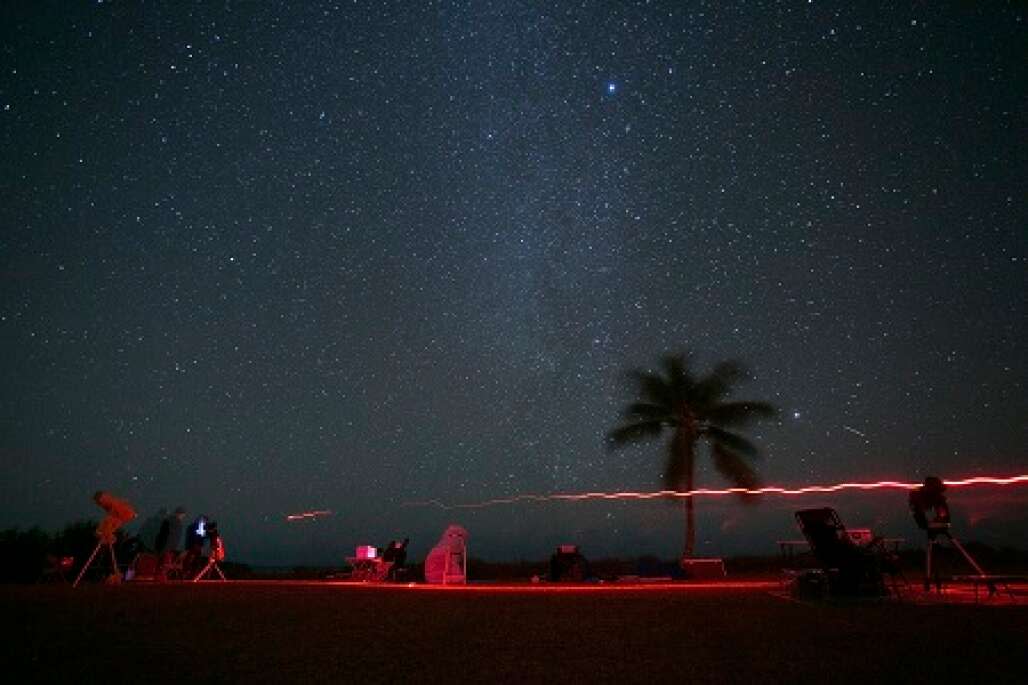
(89, 561)
(212, 563)
(936, 531)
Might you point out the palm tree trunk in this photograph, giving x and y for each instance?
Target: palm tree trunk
(684, 444)
(690, 506)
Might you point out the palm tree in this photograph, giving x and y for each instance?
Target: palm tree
(693, 409)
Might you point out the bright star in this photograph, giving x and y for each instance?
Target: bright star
(612, 87)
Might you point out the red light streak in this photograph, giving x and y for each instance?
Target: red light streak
(708, 492)
(308, 515)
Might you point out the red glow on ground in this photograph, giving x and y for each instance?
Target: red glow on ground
(308, 515)
(707, 492)
(543, 588)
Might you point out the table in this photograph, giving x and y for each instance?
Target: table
(367, 569)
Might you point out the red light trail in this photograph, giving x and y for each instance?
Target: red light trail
(309, 515)
(707, 492)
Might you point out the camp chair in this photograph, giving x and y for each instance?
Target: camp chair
(851, 569)
(145, 566)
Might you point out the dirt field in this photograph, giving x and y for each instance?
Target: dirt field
(311, 633)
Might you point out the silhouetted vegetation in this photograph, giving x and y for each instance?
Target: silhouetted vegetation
(34, 555)
(28, 554)
(24, 554)
(693, 409)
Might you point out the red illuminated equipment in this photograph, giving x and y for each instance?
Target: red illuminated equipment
(119, 512)
(216, 554)
(860, 536)
(447, 562)
(369, 564)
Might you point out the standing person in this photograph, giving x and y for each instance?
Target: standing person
(196, 533)
(149, 529)
(216, 548)
(169, 540)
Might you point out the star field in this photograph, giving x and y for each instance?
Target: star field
(258, 258)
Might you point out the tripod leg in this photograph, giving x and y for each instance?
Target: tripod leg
(86, 565)
(218, 569)
(116, 573)
(928, 566)
(967, 555)
(970, 559)
(935, 574)
(203, 572)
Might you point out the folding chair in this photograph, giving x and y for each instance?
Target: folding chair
(145, 566)
(851, 569)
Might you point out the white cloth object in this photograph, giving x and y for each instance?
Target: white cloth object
(453, 546)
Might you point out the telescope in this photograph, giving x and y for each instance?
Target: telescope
(119, 512)
(927, 498)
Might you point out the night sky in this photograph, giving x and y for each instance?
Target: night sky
(260, 258)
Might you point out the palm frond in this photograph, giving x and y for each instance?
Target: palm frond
(647, 411)
(694, 407)
(730, 441)
(634, 432)
(652, 387)
(680, 379)
(719, 382)
(733, 467)
(738, 414)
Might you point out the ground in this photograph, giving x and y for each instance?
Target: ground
(331, 633)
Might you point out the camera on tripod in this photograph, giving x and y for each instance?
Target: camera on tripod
(927, 498)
